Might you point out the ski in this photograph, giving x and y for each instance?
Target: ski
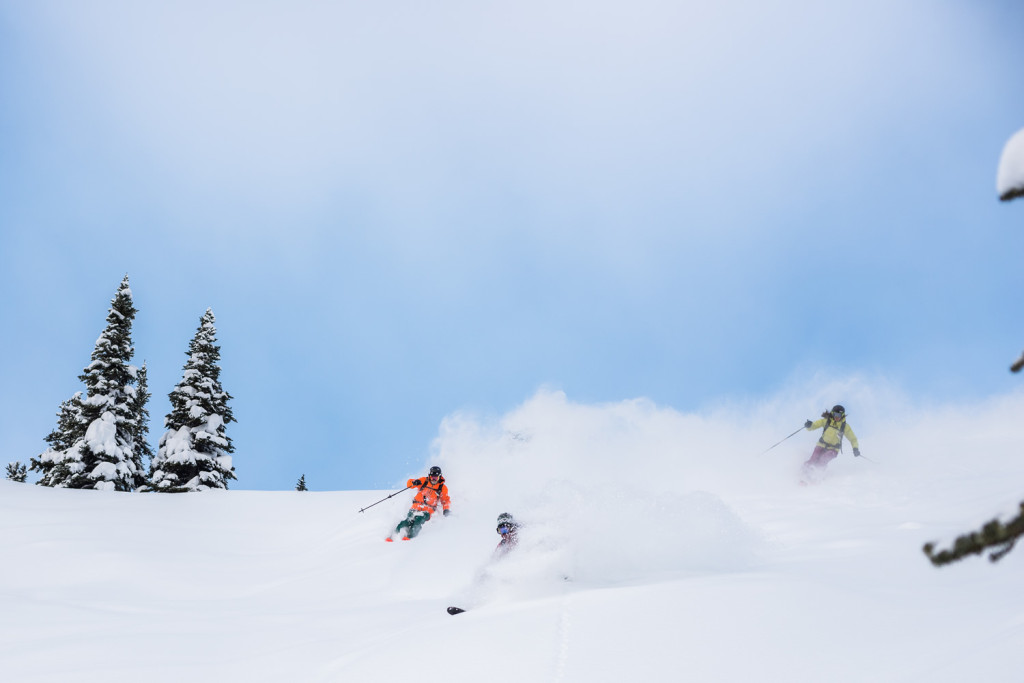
(455, 610)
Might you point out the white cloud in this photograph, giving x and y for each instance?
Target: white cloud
(424, 110)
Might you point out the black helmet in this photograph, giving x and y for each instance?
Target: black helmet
(435, 471)
(838, 410)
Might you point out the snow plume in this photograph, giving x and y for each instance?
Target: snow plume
(607, 492)
(623, 491)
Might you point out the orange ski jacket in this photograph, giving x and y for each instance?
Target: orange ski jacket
(429, 495)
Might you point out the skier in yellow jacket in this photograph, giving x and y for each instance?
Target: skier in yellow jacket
(831, 441)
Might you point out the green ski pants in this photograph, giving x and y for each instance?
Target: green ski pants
(412, 522)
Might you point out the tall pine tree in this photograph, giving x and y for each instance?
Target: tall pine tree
(194, 451)
(141, 423)
(94, 445)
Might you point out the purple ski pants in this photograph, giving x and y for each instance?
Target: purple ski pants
(821, 457)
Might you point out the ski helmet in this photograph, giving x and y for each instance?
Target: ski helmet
(435, 471)
(838, 410)
(505, 523)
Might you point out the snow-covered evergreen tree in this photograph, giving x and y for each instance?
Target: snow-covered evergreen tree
(301, 485)
(70, 430)
(16, 472)
(101, 428)
(194, 451)
(138, 407)
(1010, 184)
(1002, 536)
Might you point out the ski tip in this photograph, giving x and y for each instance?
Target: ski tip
(389, 540)
(455, 610)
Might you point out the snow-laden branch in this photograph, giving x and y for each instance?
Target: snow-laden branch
(1010, 177)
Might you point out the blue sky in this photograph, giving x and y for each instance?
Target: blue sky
(400, 212)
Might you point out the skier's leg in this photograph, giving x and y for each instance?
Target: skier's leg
(815, 465)
(405, 523)
(812, 462)
(828, 456)
(814, 468)
(417, 522)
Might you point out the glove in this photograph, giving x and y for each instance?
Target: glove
(417, 482)
(447, 512)
(807, 425)
(856, 452)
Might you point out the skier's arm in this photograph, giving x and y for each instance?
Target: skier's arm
(817, 424)
(852, 437)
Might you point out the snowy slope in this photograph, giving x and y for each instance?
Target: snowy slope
(656, 549)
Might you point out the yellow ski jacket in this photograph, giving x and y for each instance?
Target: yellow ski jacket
(835, 430)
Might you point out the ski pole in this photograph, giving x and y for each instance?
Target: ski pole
(788, 437)
(385, 498)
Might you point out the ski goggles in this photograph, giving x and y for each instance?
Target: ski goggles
(504, 529)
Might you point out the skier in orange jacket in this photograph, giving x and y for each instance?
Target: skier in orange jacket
(432, 491)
